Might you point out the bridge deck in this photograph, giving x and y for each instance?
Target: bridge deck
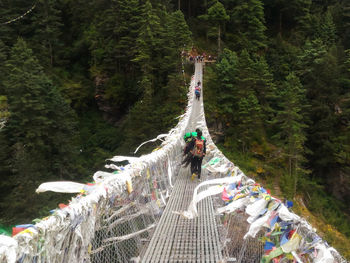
(177, 239)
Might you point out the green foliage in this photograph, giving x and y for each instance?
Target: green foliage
(102, 76)
(291, 135)
(217, 16)
(320, 73)
(328, 30)
(249, 120)
(3, 57)
(247, 25)
(46, 24)
(98, 141)
(39, 137)
(179, 30)
(282, 58)
(329, 208)
(226, 70)
(290, 110)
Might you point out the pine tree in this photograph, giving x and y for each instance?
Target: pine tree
(327, 32)
(180, 31)
(254, 76)
(292, 134)
(342, 131)
(175, 36)
(227, 94)
(319, 74)
(249, 121)
(217, 15)
(127, 30)
(147, 43)
(161, 37)
(282, 58)
(248, 25)
(290, 18)
(302, 15)
(3, 58)
(47, 26)
(39, 132)
(246, 77)
(264, 86)
(3, 53)
(112, 36)
(345, 23)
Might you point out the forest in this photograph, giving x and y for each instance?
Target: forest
(81, 81)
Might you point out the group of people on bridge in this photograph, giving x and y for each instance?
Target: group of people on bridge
(194, 152)
(194, 56)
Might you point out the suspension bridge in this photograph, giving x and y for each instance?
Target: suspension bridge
(151, 211)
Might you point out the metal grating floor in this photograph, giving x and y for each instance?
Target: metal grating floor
(177, 239)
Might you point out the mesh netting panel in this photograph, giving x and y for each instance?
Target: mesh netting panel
(128, 220)
(237, 248)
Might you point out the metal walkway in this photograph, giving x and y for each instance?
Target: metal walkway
(177, 239)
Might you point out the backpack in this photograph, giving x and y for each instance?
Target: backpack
(187, 136)
(198, 148)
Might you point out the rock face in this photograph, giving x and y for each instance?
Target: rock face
(339, 184)
(216, 131)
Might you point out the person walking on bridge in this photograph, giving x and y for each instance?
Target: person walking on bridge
(188, 137)
(197, 147)
(197, 92)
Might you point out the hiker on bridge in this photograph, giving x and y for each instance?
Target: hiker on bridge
(188, 137)
(197, 147)
(197, 92)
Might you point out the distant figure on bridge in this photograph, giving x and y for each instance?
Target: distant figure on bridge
(197, 147)
(197, 92)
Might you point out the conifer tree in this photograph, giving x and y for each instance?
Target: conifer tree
(112, 36)
(175, 37)
(248, 25)
(292, 134)
(249, 120)
(301, 9)
(319, 73)
(217, 15)
(47, 26)
(227, 88)
(127, 30)
(39, 132)
(264, 86)
(342, 130)
(291, 17)
(3, 58)
(179, 31)
(327, 31)
(346, 23)
(147, 42)
(254, 76)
